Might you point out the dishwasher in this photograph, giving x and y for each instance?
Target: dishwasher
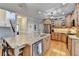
(37, 48)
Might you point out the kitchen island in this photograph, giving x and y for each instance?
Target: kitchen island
(26, 42)
(73, 45)
(60, 34)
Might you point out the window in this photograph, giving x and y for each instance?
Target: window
(10, 15)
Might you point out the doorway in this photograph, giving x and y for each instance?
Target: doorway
(22, 24)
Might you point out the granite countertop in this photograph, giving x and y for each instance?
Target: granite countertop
(73, 37)
(65, 30)
(20, 40)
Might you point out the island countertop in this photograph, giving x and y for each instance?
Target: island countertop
(73, 37)
(20, 40)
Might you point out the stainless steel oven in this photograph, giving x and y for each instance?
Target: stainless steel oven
(37, 48)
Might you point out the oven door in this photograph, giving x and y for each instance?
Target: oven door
(37, 48)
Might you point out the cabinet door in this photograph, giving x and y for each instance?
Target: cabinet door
(63, 37)
(48, 42)
(54, 36)
(26, 51)
(44, 45)
(70, 45)
(76, 47)
(59, 36)
(68, 21)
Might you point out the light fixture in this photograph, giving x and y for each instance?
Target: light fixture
(39, 12)
(63, 13)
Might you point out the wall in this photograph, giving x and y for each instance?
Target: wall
(31, 22)
(5, 32)
(22, 24)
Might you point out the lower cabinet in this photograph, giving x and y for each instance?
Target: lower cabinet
(70, 46)
(73, 46)
(63, 37)
(59, 36)
(27, 51)
(38, 48)
(46, 44)
(54, 36)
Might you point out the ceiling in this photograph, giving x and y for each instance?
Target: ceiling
(39, 10)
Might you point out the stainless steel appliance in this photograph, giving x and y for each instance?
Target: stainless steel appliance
(37, 48)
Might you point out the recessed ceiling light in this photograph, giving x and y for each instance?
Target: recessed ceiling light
(39, 12)
(63, 13)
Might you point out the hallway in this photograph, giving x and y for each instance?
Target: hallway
(57, 49)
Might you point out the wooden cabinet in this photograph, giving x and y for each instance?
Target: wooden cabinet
(59, 37)
(73, 45)
(58, 23)
(46, 44)
(76, 47)
(68, 21)
(29, 50)
(47, 28)
(63, 37)
(70, 46)
(54, 36)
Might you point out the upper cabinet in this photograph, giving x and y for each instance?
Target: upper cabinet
(77, 12)
(68, 20)
(59, 22)
(47, 21)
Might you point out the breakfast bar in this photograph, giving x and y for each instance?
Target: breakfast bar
(22, 41)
